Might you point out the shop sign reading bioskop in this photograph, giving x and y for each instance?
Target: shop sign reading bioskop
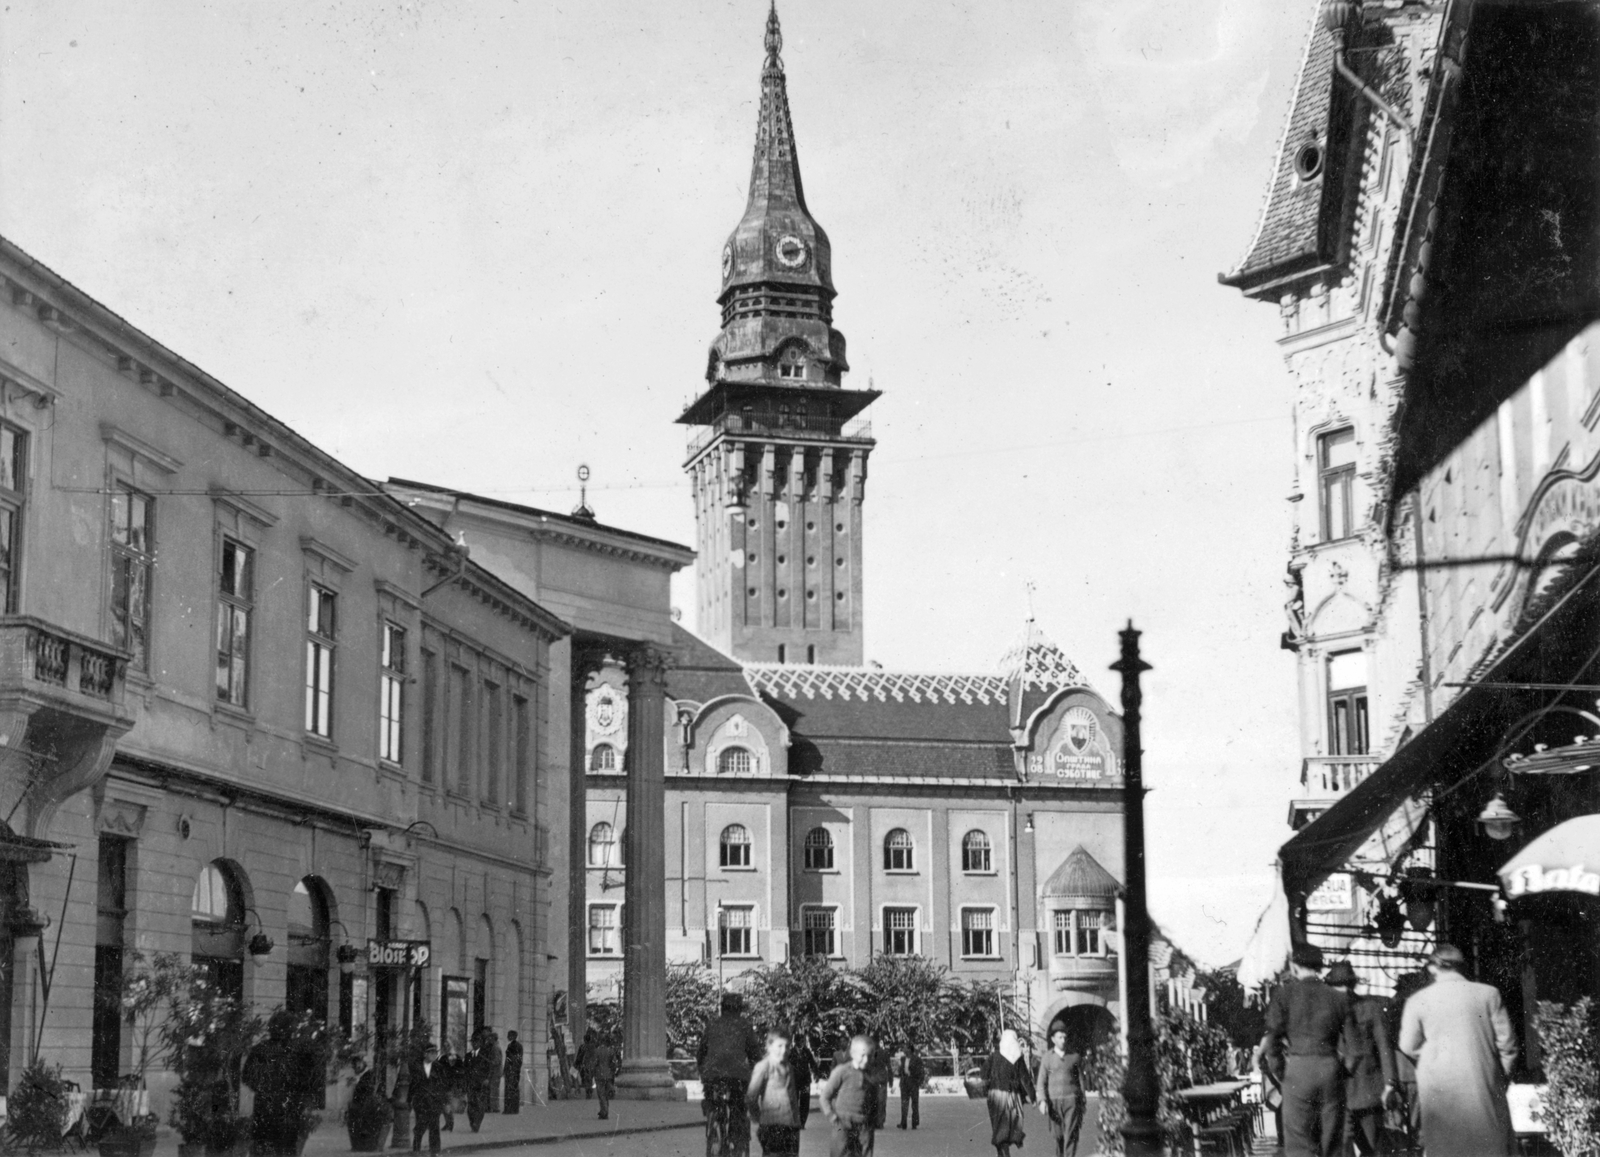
(399, 953)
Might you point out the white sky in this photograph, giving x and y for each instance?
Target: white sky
(478, 243)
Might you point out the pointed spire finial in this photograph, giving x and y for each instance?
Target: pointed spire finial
(774, 38)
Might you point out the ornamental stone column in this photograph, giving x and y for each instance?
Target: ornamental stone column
(645, 1073)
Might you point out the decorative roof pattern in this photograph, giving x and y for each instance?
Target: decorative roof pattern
(864, 684)
(1041, 664)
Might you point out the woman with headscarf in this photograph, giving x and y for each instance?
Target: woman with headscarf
(1010, 1086)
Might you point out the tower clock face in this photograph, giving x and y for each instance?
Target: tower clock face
(791, 251)
(727, 261)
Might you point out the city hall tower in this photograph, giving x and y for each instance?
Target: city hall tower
(778, 464)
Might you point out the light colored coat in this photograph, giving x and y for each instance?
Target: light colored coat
(1461, 1039)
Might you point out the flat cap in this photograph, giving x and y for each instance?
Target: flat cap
(1341, 975)
(1307, 956)
(1448, 956)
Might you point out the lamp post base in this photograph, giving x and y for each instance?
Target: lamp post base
(648, 1079)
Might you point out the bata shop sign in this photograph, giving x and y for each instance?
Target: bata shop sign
(1531, 879)
(399, 953)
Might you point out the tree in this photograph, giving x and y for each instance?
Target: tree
(693, 997)
(1227, 1007)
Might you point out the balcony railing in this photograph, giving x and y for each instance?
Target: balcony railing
(46, 657)
(794, 429)
(1326, 779)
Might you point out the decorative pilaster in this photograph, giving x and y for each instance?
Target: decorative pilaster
(587, 658)
(645, 1073)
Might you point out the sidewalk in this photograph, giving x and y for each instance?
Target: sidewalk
(535, 1125)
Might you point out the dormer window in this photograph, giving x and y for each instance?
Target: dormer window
(792, 364)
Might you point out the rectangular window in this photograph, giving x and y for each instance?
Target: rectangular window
(494, 742)
(1078, 932)
(391, 693)
(13, 484)
(1088, 933)
(461, 706)
(235, 605)
(132, 555)
(899, 931)
(734, 928)
(1336, 468)
(817, 931)
(602, 930)
(430, 716)
(320, 628)
(977, 931)
(1347, 703)
(523, 742)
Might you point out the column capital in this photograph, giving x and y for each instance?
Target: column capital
(647, 666)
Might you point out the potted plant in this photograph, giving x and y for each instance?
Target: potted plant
(287, 1072)
(1571, 1102)
(148, 987)
(206, 1035)
(36, 1111)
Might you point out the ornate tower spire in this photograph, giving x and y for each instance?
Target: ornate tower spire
(778, 476)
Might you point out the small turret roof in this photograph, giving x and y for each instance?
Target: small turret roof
(1039, 663)
(1080, 875)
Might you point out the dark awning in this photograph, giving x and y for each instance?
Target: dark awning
(1559, 644)
(15, 849)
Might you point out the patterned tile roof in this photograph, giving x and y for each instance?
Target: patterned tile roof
(867, 684)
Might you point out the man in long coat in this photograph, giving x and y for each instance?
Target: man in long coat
(1369, 1061)
(513, 1073)
(1461, 1040)
(1306, 1020)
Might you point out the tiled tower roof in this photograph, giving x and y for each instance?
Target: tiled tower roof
(762, 248)
(1039, 663)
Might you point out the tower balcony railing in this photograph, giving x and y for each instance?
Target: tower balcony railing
(793, 428)
(1326, 779)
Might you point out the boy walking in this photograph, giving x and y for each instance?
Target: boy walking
(847, 1101)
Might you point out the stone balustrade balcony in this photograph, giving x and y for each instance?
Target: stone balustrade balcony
(1324, 780)
(61, 712)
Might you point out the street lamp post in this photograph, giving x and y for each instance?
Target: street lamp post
(1141, 1131)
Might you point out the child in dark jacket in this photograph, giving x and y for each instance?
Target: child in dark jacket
(847, 1100)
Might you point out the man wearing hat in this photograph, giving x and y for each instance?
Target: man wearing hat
(1460, 1038)
(1369, 1061)
(1308, 1021)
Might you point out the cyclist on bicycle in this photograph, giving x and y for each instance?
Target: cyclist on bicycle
(729, 1048)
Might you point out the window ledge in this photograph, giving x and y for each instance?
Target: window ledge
(822, 871)
(605, 956)
(320, 743)
(234, 713)
(391, 766)
(901, 872)
(738, 867)
(979, 872)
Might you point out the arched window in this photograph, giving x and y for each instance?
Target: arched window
(307, 981)
(975, 855)
(602, 846)
(734, 761)
(603, 758)
(735, 846)
(819, 850)
(217, 914)
(216, 897)
(897, 852)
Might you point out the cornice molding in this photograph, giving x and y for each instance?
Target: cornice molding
(322, 550)
(238, 502)
(139, 448)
